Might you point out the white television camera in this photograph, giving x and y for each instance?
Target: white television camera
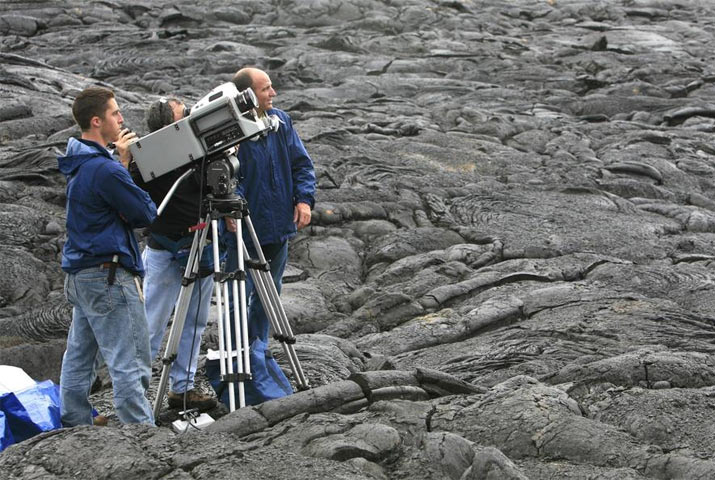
(220, 120)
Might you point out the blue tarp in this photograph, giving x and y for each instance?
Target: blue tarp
(28, 412)
(6, 439)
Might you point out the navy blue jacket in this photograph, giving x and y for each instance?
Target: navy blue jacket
(276, 173)
(103, 206)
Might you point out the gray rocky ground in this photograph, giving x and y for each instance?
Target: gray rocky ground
(510, 268)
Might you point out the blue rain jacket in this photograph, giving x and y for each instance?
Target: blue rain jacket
(103, 206)
(276, 173)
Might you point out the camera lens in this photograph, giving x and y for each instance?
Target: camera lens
(246, 100)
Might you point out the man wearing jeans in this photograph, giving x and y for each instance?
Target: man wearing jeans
(103, 265)
(165, 257)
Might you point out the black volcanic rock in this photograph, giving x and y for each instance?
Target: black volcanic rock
(509, 269)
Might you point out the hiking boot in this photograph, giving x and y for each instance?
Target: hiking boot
(194, 399)
(100, 421)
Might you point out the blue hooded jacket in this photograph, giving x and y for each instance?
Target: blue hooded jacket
(276, 173)
(103, 206)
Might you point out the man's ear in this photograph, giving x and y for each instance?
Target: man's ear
(95, 122)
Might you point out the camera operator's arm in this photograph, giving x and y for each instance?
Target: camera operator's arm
(126, 137)
(117, 188)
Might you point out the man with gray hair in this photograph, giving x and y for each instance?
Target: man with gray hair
(165, 256)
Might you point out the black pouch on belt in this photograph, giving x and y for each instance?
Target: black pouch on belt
(112, 270)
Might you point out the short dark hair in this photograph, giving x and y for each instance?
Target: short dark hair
(243, 80)
(91, 102)
(159, 114)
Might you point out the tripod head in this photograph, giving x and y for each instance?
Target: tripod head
(218, 181)
(228, 206)
(220, 175)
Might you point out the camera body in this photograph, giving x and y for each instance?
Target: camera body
(220, 120)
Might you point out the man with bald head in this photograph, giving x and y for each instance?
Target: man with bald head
(277, 179)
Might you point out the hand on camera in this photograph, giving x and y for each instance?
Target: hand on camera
(126, 137)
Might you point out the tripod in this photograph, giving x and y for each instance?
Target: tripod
(234, 207)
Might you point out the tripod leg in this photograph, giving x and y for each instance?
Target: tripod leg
(226, 339)
(182, 305)
(270, 300)
(240, 317)
(224, 325)
(264, 284)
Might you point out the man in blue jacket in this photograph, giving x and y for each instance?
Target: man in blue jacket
(277, 179)
(103, 265)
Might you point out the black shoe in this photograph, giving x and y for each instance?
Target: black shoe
(194, 399)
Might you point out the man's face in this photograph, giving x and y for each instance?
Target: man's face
(263, 88)
(111, 123)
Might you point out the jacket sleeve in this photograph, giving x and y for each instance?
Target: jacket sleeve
(301, 167)
(118, 189)
(136, 175)
(240, 191)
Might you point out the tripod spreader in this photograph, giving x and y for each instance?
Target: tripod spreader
(258, 265)
(228, 276)
(236, 377)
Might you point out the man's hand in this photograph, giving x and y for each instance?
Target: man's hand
(126, 138)
(230, 224)
(301, 215)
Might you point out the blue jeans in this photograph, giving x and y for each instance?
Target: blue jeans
(277, 256)
(162, 285)
(107, 320)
